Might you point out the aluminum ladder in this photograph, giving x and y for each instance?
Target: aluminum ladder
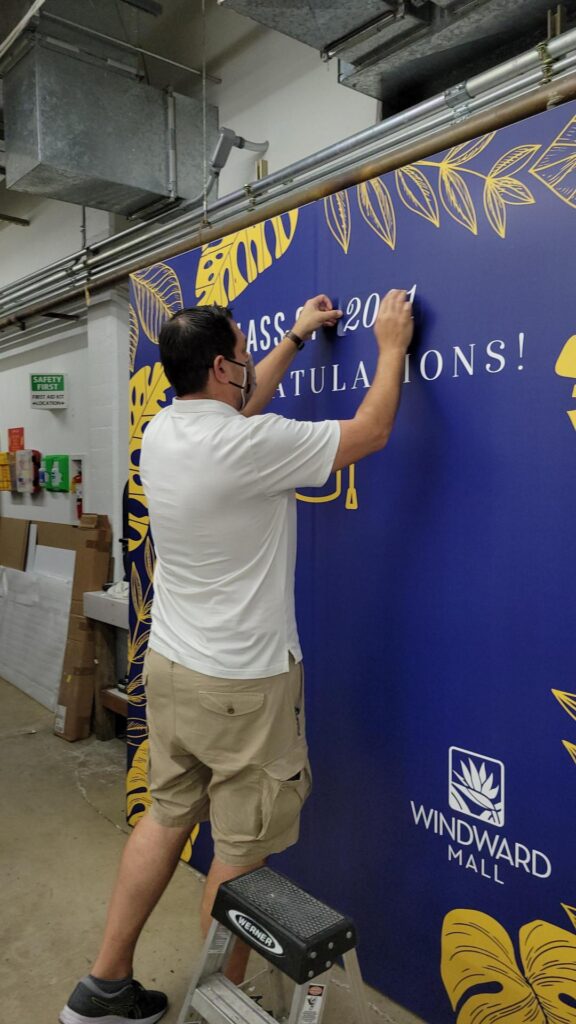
(299, 936)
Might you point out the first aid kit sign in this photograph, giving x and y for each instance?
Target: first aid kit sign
(48, 391)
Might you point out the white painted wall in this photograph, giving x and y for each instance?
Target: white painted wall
(63, 431)
(54, 232)
(278, 89)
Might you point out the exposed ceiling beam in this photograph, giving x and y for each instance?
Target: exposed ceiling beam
(19, 28)
(150, 6)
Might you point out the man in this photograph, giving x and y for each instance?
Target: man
(223, 673)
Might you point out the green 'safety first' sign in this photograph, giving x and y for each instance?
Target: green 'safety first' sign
(48, 391)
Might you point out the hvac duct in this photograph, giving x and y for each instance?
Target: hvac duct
(82, 132)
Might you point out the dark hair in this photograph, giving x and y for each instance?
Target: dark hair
(189, 343)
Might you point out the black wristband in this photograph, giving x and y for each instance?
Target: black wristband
(298, 341)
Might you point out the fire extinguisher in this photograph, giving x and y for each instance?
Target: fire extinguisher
(77, 489)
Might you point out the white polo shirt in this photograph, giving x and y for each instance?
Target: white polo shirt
(220, 491)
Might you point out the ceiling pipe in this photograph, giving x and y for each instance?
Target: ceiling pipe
(19, 28)
(505, 113)
(473, 89)
(127, 46)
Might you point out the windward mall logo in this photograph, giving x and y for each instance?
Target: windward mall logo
(476, 786)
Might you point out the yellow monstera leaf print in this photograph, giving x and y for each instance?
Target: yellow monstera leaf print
(228, 265)
(137, 792)
(148, 389)
(484, 983)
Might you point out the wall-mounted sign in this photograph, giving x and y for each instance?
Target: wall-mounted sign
(48, 391)
(15, 439)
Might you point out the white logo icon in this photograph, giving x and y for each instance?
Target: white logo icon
(476, 786)
(256, 932)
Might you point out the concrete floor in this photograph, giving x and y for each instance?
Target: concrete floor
(63, 829)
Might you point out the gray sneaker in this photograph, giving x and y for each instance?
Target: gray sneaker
(88, 1005)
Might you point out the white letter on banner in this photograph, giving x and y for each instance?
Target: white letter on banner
(335, 368)
(548, 865)
(440, 364)
(266, 339)
(494, 355)
(464, 825)
(361, 375)
(294, 374)
(459, 356)
(279, 321)
(316, 390)
(422, 814)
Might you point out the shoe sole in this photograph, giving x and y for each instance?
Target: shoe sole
(69, 1016)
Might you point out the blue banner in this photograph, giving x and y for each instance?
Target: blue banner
(436, 579)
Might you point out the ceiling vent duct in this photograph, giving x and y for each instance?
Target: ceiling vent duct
(80, 131)
(403, 51)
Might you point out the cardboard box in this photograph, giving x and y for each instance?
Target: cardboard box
(91, 540)
(13, 542)
(73, 719)
(81, 630)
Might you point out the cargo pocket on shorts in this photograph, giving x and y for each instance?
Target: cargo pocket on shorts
(286, 785)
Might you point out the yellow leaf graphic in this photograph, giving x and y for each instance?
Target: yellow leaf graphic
(482, 977)
(417, 194)
(338, 218)
(466, 151)
(187, 851)
(566, 362)
(148, 389)
(136, 591)
(495, 208)
(136, 732)
(456, 199)
(566, 701)
(376, 207)
(133, 335)
(556, 167)
(137, 792)
(137, 648)
(158, 295)
(515, 159)
(512, 191)
(476, 950)
(228, 265)
(549, 957)
(571, 748)
(571, 911)
(138, 526)
(149, 558)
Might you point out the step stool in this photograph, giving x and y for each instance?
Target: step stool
(296, 933)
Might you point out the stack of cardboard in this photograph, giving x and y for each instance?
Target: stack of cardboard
(13, 542)
(91, 540)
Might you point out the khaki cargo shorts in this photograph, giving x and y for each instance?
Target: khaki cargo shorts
(229, 751)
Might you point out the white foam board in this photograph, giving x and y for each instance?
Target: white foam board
(34, 613)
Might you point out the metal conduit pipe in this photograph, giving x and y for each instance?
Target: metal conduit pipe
(375, 133)
(151, 251)
(525, 62)
(280, 178)
(80, 260)
(422, 129)
(367, 139)
(475, 86)
(508, 112)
